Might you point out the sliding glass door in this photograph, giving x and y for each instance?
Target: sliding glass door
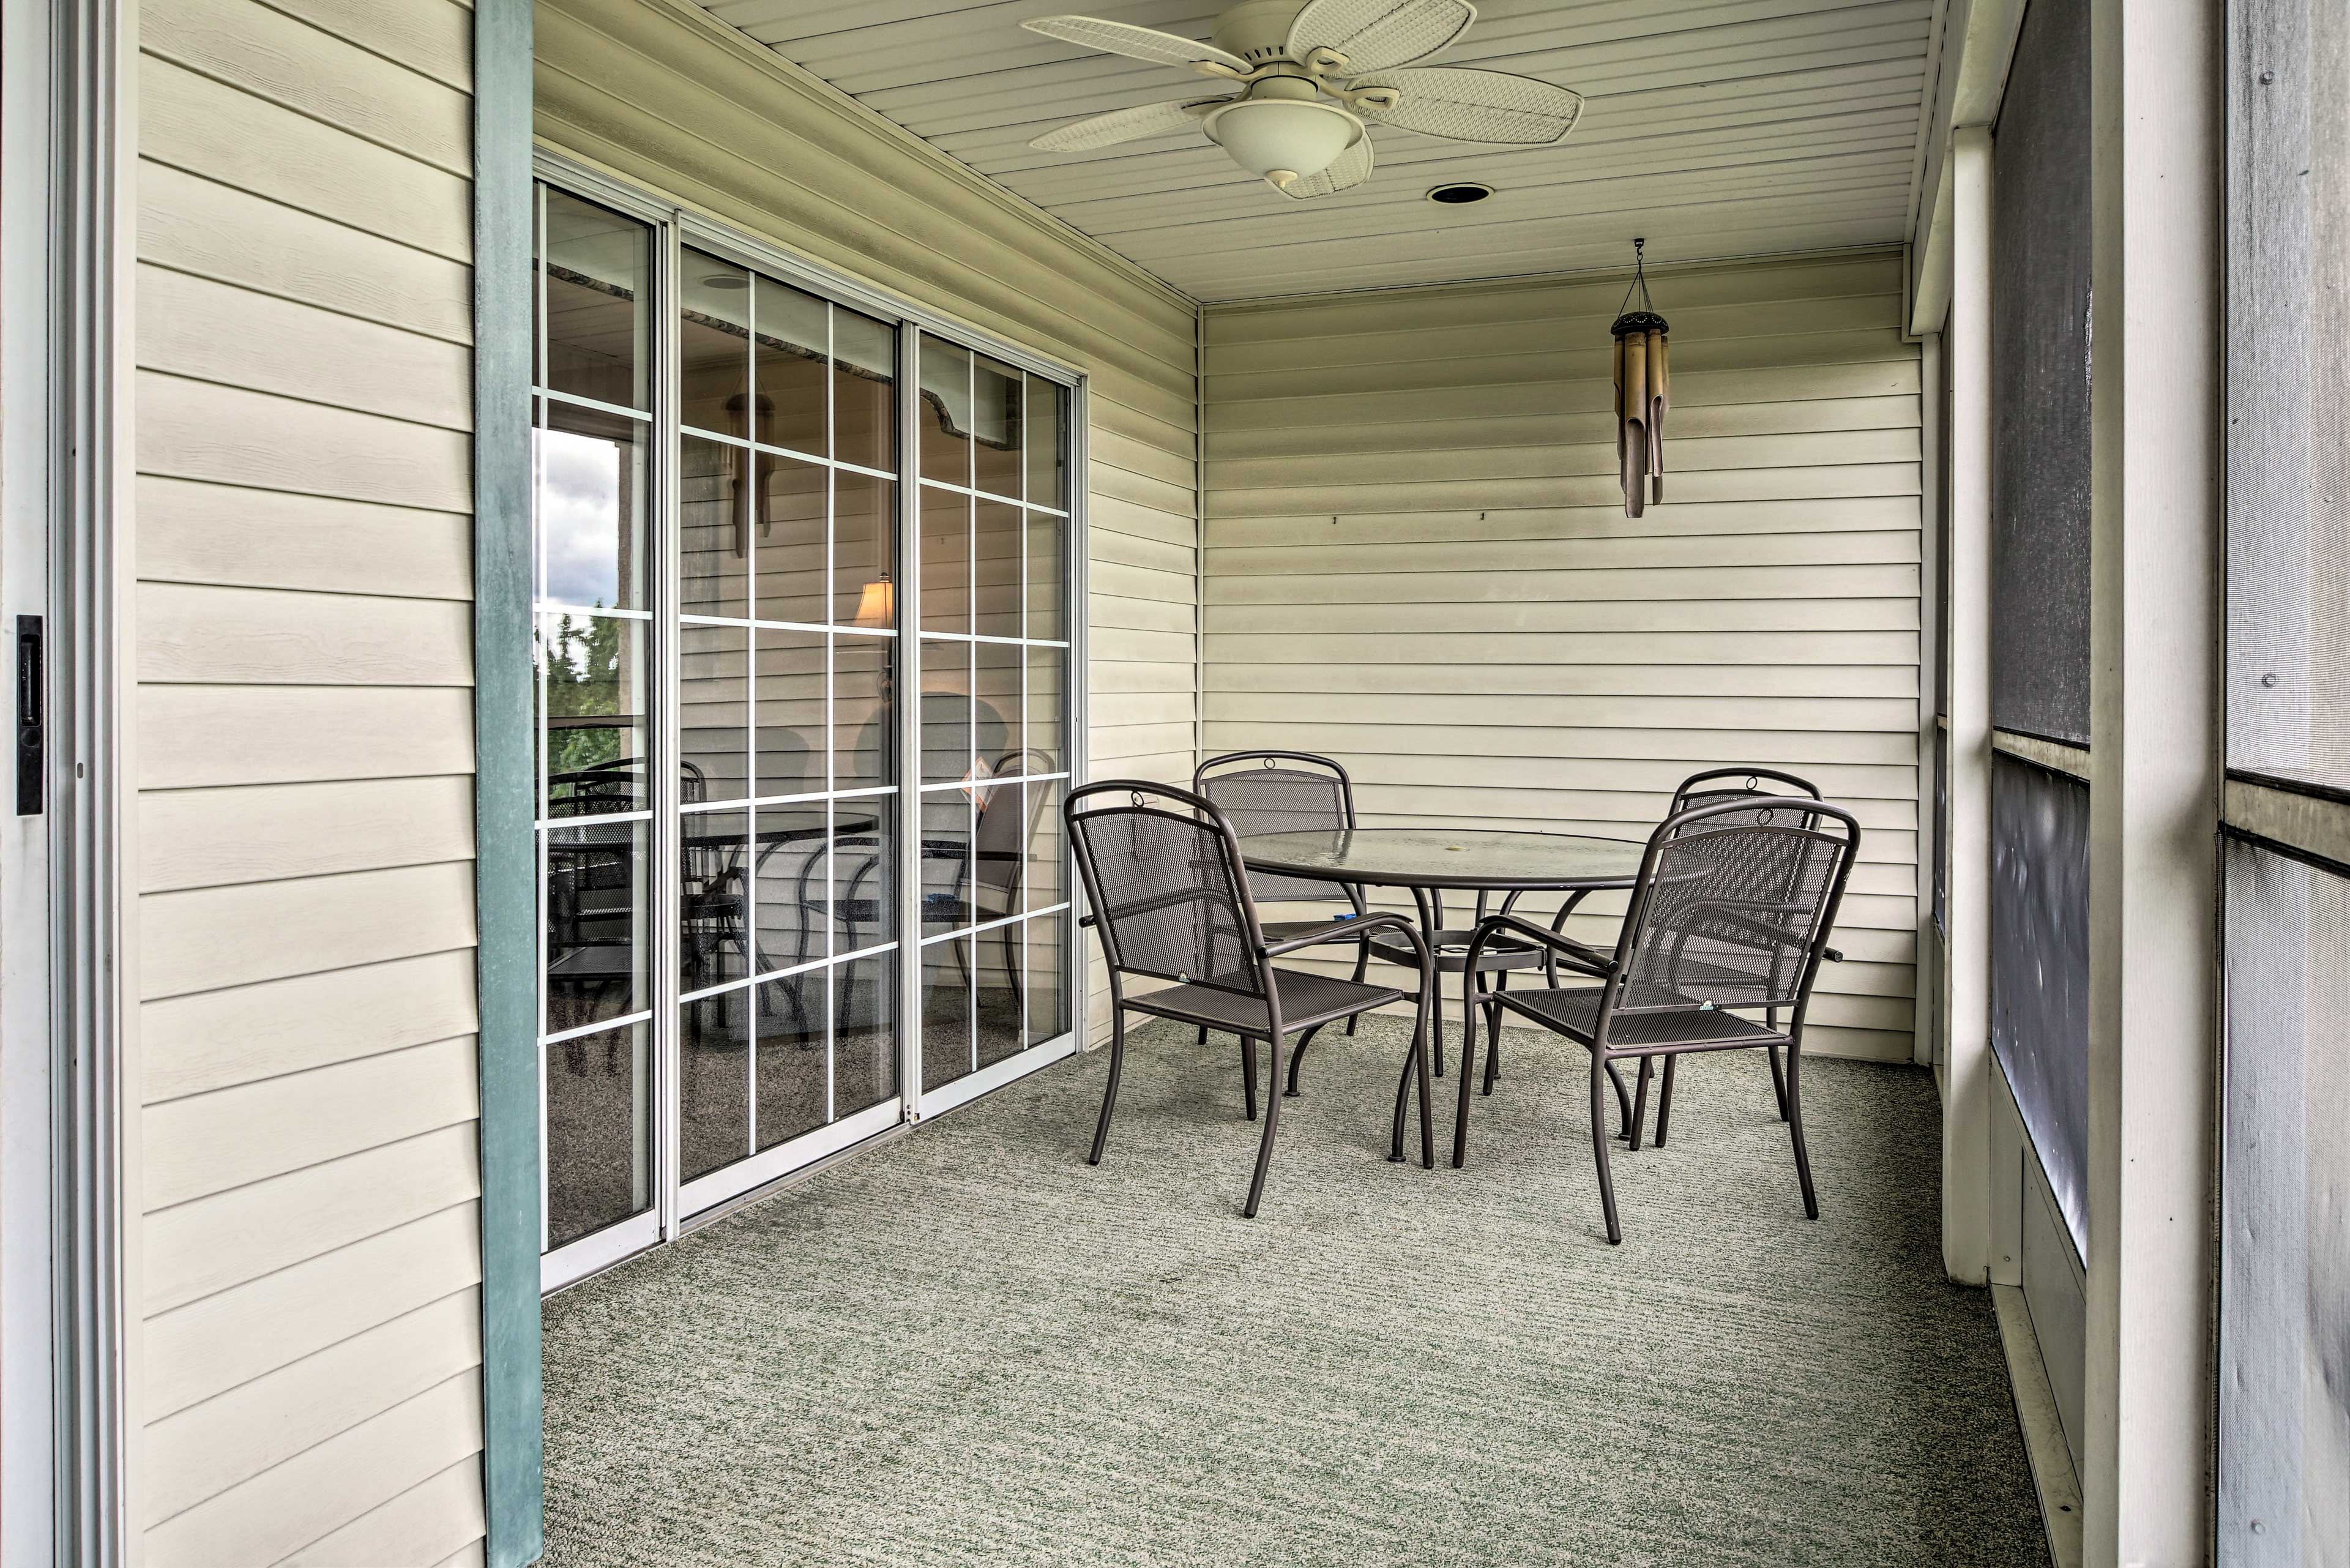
(741, 814)
(994, 541)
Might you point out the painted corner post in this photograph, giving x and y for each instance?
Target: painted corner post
(1966, 1090)
(506, 894)
(2156, 627)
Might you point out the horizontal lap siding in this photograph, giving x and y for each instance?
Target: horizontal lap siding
(663, 96)
(312, 1333)
(1418, 561)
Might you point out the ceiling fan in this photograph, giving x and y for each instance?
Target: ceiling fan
(1314, 78)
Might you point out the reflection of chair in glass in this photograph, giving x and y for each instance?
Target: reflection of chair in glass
(1000, 848)
(592, 924)
(602, 789)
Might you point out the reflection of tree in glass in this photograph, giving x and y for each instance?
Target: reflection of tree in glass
(583, 683)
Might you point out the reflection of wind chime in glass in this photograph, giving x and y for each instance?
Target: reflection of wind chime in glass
(1643, 386)
(751, 469)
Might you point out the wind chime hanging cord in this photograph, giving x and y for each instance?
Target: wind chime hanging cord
(1643, 392)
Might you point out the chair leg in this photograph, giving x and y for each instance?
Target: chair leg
(1109, 1095)
(1795, 1133)
(1640, 1102)
(1493, 1036)
(1264, 1144)
(1248, 1074)
(1403, 1097)
(1778, 1084)
(1599, 1141)
(1622, 1100)
(1468, 1078)
(1665, 1101)
(1297, 1055)
(1362, 967)
(1426, 1027)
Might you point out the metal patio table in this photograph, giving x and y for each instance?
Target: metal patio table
(1432, 862)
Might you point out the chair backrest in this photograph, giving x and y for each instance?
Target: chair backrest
(1163, 871)
(1716, 785)
(1734, 906)
(1280, 792)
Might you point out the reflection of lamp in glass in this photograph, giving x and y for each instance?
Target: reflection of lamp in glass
(877, 605)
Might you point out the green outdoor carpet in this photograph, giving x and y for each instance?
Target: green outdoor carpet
(972, 1348)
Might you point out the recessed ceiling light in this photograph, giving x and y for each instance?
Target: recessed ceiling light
(725, 280)
(1461, 195)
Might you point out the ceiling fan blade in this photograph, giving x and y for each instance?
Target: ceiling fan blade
(1136, 124)
(1465, 105)
(1378, 35)
(1354, 167)
(1140, 44)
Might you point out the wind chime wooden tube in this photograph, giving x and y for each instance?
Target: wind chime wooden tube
(1643, 393)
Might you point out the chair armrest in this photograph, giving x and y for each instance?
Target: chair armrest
(1349, 926)
(1588, 959)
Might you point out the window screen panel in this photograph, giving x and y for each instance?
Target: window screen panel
(2039, 380)
(2288, 673)
(2040, 969)
(2284, 1326)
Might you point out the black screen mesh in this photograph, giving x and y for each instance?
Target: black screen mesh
(2039, 380)
(2040, 969)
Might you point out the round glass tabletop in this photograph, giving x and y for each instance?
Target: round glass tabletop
(1466, 857)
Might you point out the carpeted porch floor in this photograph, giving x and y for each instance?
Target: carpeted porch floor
(972, 1348)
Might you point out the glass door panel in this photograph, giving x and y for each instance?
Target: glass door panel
(787, 630)
(592, 440)
(726, 805)
(992, 535)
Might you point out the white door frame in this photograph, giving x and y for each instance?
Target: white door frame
(68, 1066)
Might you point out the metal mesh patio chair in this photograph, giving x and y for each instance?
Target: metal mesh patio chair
(1162, 872)
(1724, 918)
(1771, 790)
(1288, 791)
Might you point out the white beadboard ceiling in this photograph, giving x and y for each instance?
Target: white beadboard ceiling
(1715, 127)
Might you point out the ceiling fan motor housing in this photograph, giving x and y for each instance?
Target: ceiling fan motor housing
(1257, 30)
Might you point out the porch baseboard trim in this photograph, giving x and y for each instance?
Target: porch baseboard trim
(2054, 1479)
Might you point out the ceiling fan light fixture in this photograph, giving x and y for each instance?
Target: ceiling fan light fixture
(1283, 139)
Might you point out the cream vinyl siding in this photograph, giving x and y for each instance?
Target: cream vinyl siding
(661, 94)
(1418, 562)
(312, 1334)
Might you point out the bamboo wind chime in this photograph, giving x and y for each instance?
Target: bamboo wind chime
(1643, 393)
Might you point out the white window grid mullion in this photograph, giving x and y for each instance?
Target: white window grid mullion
(602, 1025)
(771, 449)
(621, 410)
(975, 493)
(994, 925)
(604, 819)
